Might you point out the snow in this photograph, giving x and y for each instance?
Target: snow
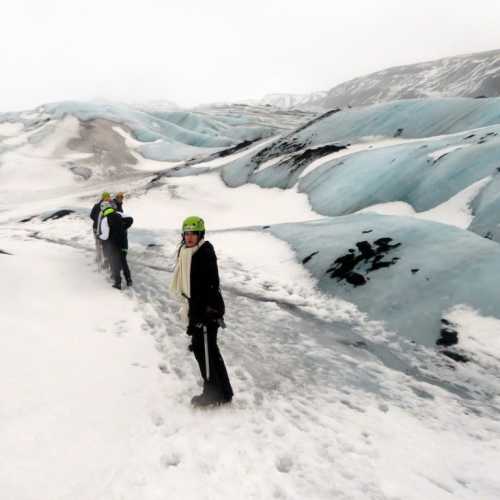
(10, 129)
(180, 197)
(340, 392)
(486, 207)
(478, 335)
(219, 162)
(23, 170)
(78, 387)
(120, 379)
(456, 211)
(391, 208)
(436, 155)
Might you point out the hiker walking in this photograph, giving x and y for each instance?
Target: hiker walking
(95, 215)
(196, 282)
(118, 201)
(113, 232)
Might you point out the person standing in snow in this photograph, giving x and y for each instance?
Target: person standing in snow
(95, 215)
(113, 232)
(196, 283)
(118, 201)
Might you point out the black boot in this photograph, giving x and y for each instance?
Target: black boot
(209, 397)
(129, 282)
(118, 286)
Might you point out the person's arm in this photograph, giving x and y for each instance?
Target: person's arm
(94, 213)
(127, 221)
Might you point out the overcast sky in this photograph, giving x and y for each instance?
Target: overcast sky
(194, 51)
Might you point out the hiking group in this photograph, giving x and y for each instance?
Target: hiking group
(195, 283)
(110, 225)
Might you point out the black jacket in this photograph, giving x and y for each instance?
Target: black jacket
(94, 213)
(126, 223)
(206, 303)
(118, 226)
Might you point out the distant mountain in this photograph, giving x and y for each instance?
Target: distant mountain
(471, 75)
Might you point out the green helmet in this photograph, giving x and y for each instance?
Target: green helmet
(194, 224)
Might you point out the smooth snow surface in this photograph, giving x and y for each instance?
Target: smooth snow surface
(180, 197)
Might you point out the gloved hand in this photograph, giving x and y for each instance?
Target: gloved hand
(193, 328)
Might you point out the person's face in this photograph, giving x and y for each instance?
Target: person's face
(191, 238)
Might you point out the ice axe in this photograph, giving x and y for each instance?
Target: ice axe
(207, 361)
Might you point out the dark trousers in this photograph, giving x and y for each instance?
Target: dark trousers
(118, 261)
(218, 381)
(125, 268)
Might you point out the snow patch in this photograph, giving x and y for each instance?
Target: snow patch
(440, 153)
(8, 129)
(477, 334)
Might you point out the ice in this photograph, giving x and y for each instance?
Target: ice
(186, 128)
(486, 209)
(410, 119)
(447, 178)
(401, 173)
(438, 267)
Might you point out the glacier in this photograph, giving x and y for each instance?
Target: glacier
(442, 147)
(435, 267)
(363, 348)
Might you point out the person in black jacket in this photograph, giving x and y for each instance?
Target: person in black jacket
(118, 201)
(196, 281)
(113, 232)
(95, 215)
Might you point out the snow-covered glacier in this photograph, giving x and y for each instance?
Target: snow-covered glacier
(105, 127)
(363, 347)
(422, 152)
(400, 270)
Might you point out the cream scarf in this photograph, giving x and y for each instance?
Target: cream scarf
(181, 281)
